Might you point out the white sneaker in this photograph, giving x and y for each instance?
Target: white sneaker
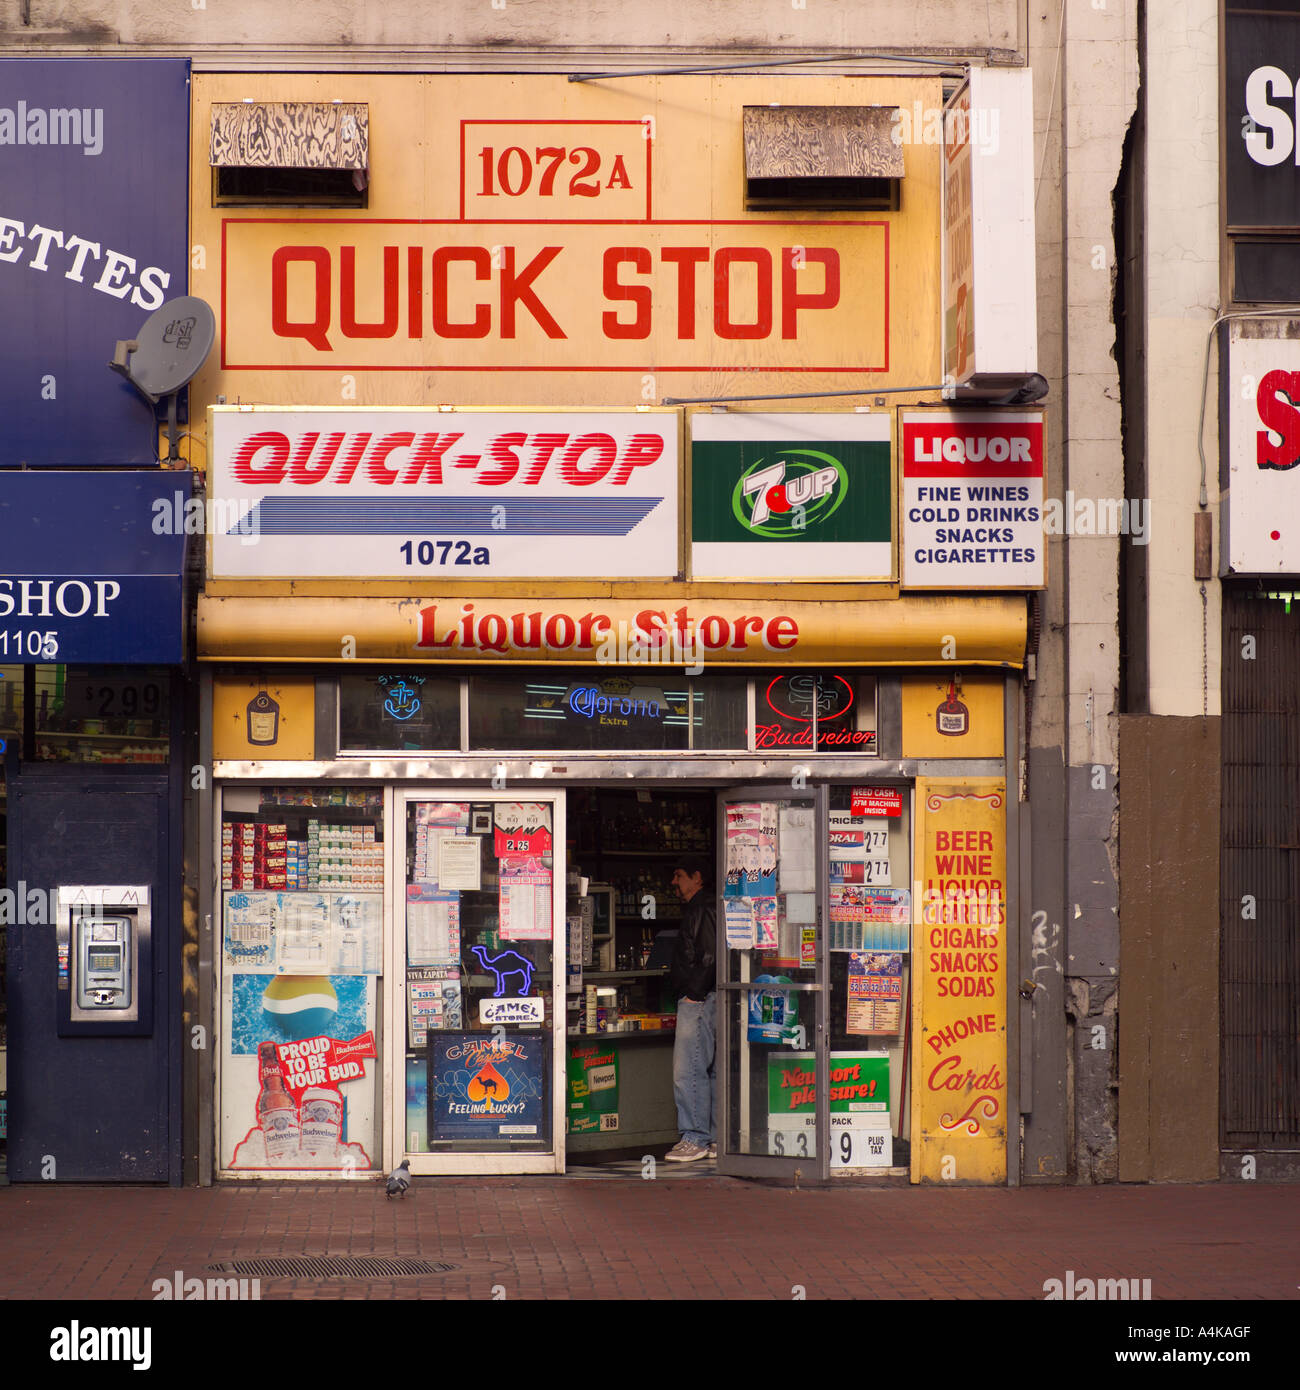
(685, 1151)
(713, 1151)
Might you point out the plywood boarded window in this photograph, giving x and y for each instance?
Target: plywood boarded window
(290, 153)
(822, 157)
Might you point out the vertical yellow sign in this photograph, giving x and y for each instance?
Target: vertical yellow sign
(959, 1022)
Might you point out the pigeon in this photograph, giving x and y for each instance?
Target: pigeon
(399, 1179)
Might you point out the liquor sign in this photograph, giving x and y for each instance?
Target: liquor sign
(1262, 145)
(93, 238)
(959, 1087)
(1260, 531)
(989, 295)
(972, 499)
(86, 574)
(668, 631)
(791, 496)
(433, 494)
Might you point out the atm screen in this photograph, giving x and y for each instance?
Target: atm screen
(105, 960)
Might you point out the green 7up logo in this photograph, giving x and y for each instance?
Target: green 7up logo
(778, 499)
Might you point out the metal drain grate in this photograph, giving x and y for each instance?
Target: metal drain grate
(331, 1267)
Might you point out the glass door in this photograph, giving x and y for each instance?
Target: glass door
(479, 929)
(771, 1062)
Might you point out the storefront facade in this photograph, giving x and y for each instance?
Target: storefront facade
(494, 633)
(94, 612)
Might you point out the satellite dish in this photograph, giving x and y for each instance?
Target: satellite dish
(167, 352)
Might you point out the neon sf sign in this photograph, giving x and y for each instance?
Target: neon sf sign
(800, 699)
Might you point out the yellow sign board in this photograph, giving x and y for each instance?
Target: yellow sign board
(270, 721)
(531, 240)
(691, 631)
(953, 715)
(959, 1072)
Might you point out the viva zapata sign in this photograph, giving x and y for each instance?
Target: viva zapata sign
(959, 1087)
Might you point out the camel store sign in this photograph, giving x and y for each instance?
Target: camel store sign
(430, 495)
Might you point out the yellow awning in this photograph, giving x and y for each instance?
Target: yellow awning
(675, 629)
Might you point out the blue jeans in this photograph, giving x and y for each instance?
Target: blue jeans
(695, 1082)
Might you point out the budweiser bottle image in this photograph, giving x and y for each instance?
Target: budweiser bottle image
(276, 1112)
(321, 1120)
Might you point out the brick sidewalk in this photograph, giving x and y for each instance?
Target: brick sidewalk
(706, 1239)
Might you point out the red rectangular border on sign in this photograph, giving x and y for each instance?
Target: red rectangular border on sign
(857, 369)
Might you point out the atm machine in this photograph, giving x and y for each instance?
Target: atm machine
(94, 976)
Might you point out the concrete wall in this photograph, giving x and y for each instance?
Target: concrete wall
(449, 32)
(1076, 868)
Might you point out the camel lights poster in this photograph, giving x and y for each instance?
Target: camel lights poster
(485, 1086)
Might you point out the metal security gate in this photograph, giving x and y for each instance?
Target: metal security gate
(1260, 870)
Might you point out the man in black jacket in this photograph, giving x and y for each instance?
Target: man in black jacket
(693, 978)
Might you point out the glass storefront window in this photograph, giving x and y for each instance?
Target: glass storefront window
(101, 714)
(606, 710)
(479, 970)
(395, 709)
(869, 910)
(817, 711)
(302, 878)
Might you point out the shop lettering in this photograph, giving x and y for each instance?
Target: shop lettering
(407, 458)
(113, 278)
(586, 700)
(960, 861)
(503, 633)
(960, 901)
(961, 1029)
(1278, 402)
(947, 1075)
(44, 598)
(952, 448)
(803, 1090)
(774, 736)
(754, 292)
(1266, 88)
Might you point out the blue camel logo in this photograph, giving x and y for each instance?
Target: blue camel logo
(503, 965)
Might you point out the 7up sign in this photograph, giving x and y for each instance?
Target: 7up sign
(777, 504)
(791, 497)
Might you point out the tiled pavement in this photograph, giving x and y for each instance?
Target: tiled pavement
(610, 1238)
